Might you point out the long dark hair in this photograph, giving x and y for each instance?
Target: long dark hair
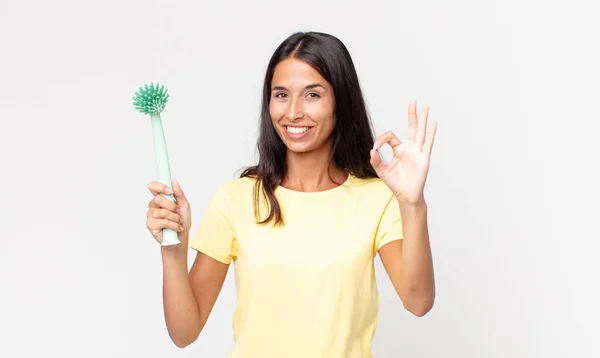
(352, 133)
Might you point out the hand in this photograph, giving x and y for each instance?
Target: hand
(406, 173)
(163, 213)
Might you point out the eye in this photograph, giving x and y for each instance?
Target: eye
(280, 93)
(315, 94)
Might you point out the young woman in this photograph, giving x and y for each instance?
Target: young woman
(304, 225)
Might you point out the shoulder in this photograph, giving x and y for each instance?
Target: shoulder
(372, 187)
(377, 199)
(235, 190)
(236, 187)
(372, 194)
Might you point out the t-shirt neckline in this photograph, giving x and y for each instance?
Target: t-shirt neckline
(345, 184)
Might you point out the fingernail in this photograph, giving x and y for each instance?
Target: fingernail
(168, 190)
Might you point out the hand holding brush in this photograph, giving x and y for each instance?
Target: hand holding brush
(164, 213)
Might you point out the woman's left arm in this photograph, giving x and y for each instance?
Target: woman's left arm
(408, 262)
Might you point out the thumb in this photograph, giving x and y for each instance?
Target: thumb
(377, 163)
(178, 192)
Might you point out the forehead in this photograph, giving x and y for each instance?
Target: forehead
(292, 72)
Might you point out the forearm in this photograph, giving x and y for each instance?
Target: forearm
(419, 283)
(181, 310)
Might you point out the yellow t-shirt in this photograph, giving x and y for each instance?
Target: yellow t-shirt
(306, 289)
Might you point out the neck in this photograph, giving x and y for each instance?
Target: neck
(311, 171)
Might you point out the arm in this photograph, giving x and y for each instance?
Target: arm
(408, 262)
(188, 299)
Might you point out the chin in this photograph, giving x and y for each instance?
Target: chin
(299, 148)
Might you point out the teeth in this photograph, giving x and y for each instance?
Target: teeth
(297, 130)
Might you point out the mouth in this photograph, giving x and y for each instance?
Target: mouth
(296, 133)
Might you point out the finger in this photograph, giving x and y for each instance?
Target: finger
(412, 121)
(387, 137)
(161, 213)
(174, 225)
(156, 188)
(178, 193)
(377, 163)
(421, 127)
(430, 137)
(158, 224)
(159, 202)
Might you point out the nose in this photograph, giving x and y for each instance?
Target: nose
(295, 110)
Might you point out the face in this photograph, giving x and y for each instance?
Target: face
(302, 106)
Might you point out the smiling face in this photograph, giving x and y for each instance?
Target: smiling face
(302, 106)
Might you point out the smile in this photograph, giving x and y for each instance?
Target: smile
(296, 133)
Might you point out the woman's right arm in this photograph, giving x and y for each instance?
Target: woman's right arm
(188, 299)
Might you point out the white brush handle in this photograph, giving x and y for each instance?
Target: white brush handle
(164, 173)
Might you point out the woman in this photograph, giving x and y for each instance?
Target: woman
(304, 225)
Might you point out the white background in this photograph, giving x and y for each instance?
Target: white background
(512, 190)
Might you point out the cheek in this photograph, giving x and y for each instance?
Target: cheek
(323, 114)
(276, 110)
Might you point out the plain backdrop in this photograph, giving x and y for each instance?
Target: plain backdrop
(512, 190)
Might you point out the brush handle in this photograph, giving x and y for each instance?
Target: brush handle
(164, 172)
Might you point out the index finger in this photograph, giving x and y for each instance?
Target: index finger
(387, 137)
(157, 187)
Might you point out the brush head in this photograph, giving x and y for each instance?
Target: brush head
(150, 99)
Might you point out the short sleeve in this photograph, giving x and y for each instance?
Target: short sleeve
(215, 235)
(390, 224)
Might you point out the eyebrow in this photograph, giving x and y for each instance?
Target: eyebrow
(307, 87)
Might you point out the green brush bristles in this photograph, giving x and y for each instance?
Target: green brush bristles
(150, 99)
